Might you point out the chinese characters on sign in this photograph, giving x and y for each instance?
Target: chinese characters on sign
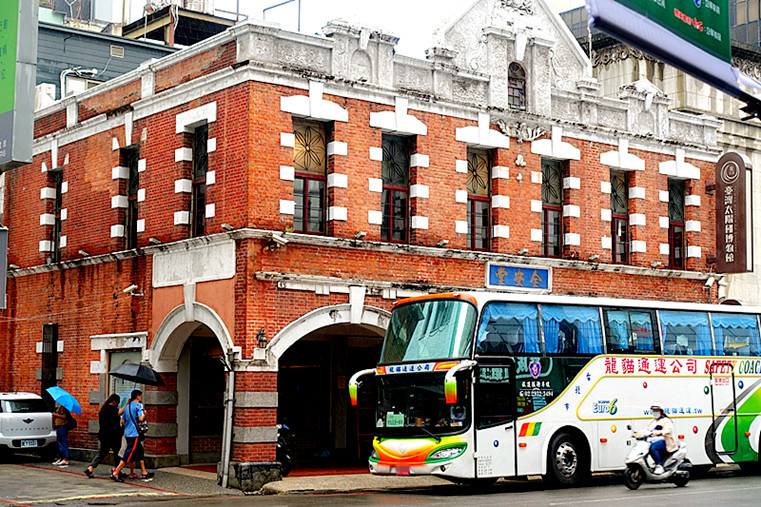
(731, 215)
(683, 366)
(503, 276)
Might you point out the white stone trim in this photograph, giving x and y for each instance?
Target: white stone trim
(461, 196)
(140, 195)
(664, 249)
(141, 225)
(211, 178)
(536, 177)
(374, 217)
(63, 241)
(692, 226)
(678, 168)
(461, 166)
(663, 222)
(637, 219)
(481, 135)
(639, 246)
(571, 210)
(47, 219)
(337, 213)
(605, 215)
(118, 341)
(621, 158)
(38, 347)
(419, 222)
(500, 201)
(117, 231)
(287, 173)
(181, 217)
(211, 210)
(114, 144)
(183, 155)
(119, 201)
(605, 187)
(398, 121)
(637, 193)
(64, 187)
(694, 252)
(338, 148)
(692, 200)
(418, 191)
(189, 120)
(64, 214)
(211, 145)
(141, 165)
(376, 154)
(183, 186)
(375, 184)
(500, 172)
(460, 226)
(555, 147)
(338, 180)
(606, 243)
(120, 173)
(663, 195)
(571, 239)
(287, 139)
(536, 206)
(47, 193)
(419, 160)
(314, 106)
(536, 235)
(287, 207)
(572, 182)
(44, 167)
(46, 246)
(501, 231)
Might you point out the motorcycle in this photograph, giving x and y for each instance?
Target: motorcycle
(640, 466)
(283, 450)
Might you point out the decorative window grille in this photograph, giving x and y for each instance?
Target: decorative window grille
(310, 164)
(552, 208)
(49, 357)
(619, 207)
(395, 172)
(479, 216)
(200, 168)
(516, 87)
(676, 224)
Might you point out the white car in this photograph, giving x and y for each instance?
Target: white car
(25, 423)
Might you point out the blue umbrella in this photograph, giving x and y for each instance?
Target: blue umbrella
(65, 399)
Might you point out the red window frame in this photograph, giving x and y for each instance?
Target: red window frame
(389, 218)
(306, 203)
(615, 220)
(546, 208)
(472, 240)
(676, 262)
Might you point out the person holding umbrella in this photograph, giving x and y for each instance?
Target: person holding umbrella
(133, 414)
(63, 421)
(109, 433)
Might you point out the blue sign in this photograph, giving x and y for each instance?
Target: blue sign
(517, 277)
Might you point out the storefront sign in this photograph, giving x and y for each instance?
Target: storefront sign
(733, 215)
(504, 276)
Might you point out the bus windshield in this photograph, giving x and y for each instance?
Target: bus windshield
(433, 329)
(410, 407)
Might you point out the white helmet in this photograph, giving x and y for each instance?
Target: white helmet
(657, 406)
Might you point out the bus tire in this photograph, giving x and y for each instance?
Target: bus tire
(567, 460)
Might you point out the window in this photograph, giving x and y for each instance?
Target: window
(116, 385)
(507, 329)
(200, 168)
(571, 329)
(685, 333)
(130, 160)
(49, 366)
(310, 163)
(552, 207)
(495, 402)
(676, 224)
(479, 169)
(735, 334)
(76, 84)
(58, 204)
(395, 172)
(516, 87)
(630, 331)
(619, 208)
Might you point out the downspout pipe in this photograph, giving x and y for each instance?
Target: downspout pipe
(227, 429)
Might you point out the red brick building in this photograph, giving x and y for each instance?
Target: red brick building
(266, 196)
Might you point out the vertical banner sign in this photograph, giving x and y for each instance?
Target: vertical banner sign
(733, 215)
(18, 66)
(3, 265)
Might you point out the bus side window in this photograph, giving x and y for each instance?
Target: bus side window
(571, 329)
(630, 331)
(507, 329)
(495, 400)
(685, 333)
(736, 334)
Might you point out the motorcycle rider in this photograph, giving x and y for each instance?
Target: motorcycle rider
(662, 436)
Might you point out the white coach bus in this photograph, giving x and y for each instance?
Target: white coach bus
(477, 386)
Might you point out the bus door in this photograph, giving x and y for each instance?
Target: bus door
(495, 414)
(723, 408)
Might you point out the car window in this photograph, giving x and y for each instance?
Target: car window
(25, 406)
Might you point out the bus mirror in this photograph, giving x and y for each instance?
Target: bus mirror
(450, 382)
(354, 384)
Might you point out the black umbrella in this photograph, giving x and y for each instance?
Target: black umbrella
(138, 373)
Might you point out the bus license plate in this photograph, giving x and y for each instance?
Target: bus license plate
(402, 470)
(28, 443)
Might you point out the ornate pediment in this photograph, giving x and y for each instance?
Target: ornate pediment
(526, 6)
(521, 131)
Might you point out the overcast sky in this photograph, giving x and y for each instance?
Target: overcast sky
(413, 21)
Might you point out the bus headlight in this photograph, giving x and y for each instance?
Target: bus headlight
(374, 455)
(446, 453)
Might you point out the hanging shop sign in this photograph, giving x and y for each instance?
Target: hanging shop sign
(734, 232)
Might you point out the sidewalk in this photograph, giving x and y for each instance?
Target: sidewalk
(350, 483)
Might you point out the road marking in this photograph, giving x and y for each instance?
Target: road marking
(658, 493)
(13, 503)
(90, 497)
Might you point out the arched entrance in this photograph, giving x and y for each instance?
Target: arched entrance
(324, 349)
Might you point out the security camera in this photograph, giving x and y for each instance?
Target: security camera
(280, 240)
(129, 290)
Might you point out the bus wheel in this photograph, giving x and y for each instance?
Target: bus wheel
(567, 461)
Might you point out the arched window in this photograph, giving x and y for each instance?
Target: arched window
(516, 87)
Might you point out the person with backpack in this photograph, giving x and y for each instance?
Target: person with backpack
(133, 415)
(109, 433)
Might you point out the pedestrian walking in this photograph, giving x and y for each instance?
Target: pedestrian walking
(109, 433)
(63, 422)
(133, 415)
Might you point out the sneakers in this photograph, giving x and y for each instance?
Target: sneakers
(658, 470)
(116, 478)
(147, 477)
(133, 476)
(88, 473)
(63, 463)
(58, 461)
